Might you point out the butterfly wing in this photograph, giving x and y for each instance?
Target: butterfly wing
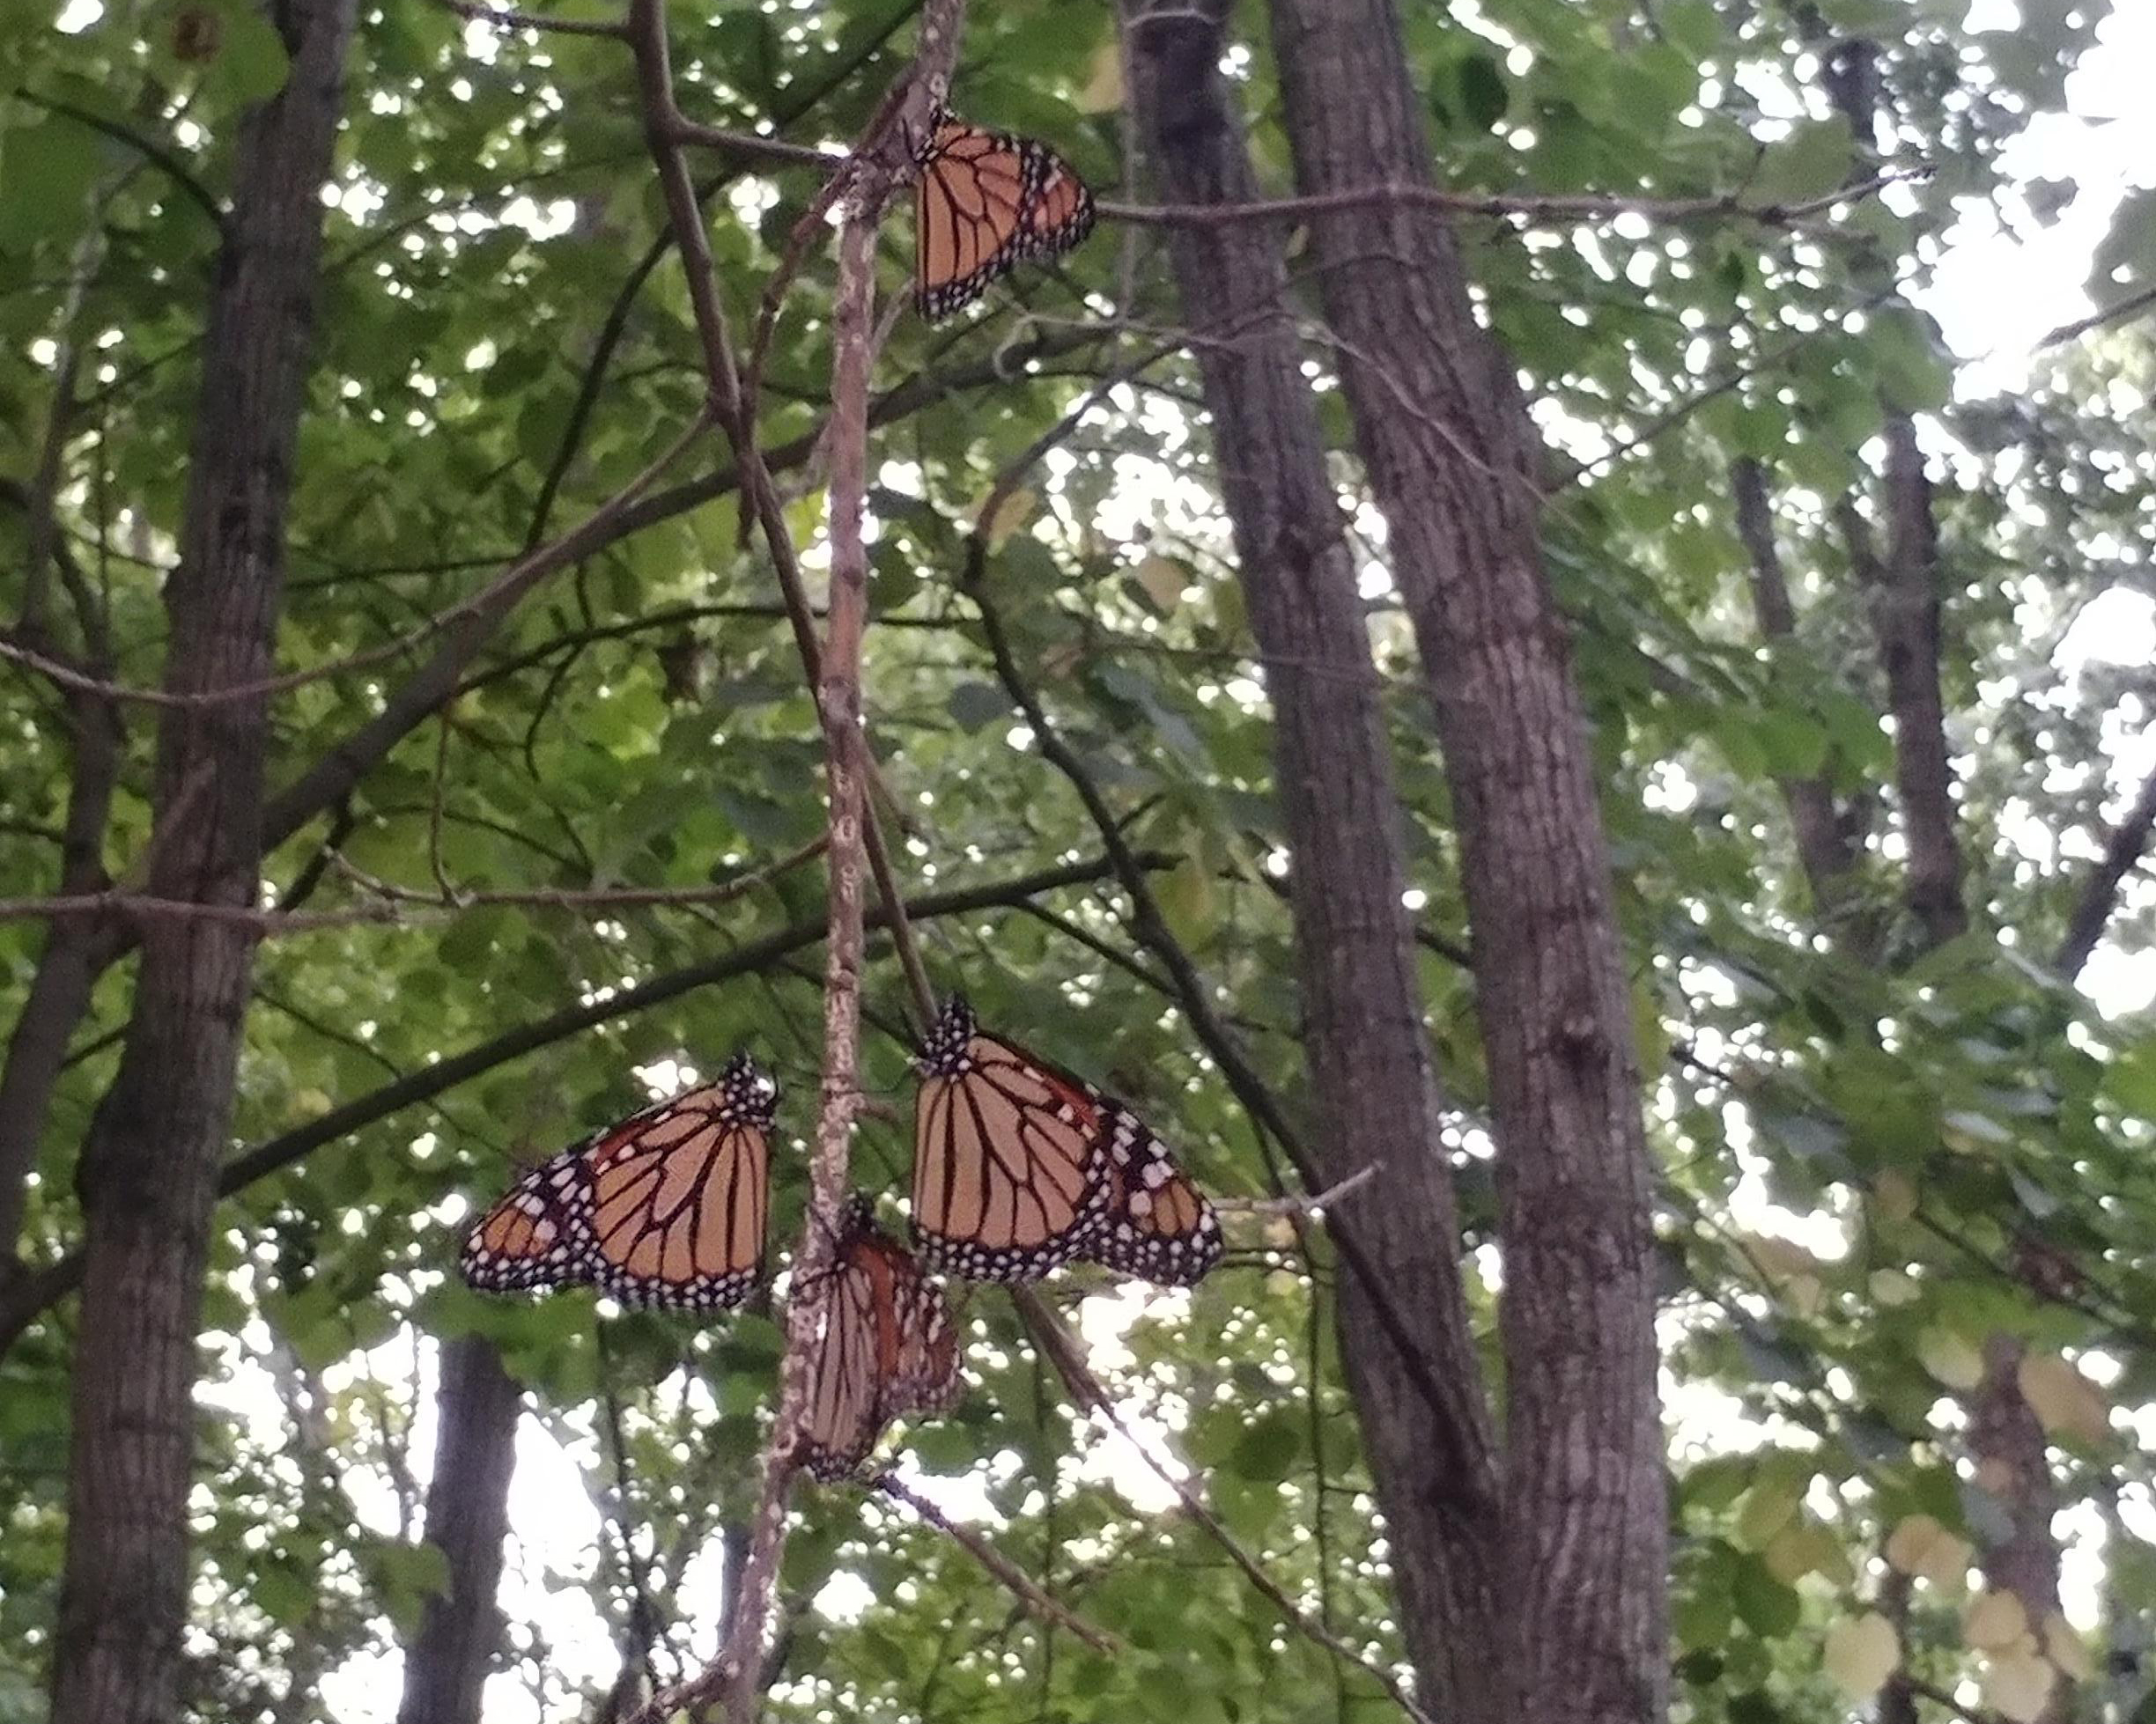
(842, 1423)
(1009, 1167)
(1157, 1225)
(983, 201)
(668, 1208)
(539, 1235)
(886, 1346)
(921, 1373)
(1060, 213)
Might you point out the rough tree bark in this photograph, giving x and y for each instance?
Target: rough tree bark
(446, 1666)
(1370, 1068)
(148, 1175)
(1453, 457)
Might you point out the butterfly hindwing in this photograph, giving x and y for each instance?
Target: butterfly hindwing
(1157, 1225)
(668, 1208)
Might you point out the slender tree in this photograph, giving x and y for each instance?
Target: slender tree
(1372, 1087)
(148, 1173)
(446, 1665)
(1454, 463)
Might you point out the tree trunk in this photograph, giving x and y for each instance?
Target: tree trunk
(1370, 1070)
(2005, 1438)
(1828, 842)
(1906, 615)
(467, 1514)
(148, 1175)
(2013, 1467)
(67, 969)
(1453, 457)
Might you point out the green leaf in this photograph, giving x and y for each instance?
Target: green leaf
(1694, 26)
(409, 1575)
(251, 63)
(2129, 1078)
(1186, 900)
(46, 173)
(284, 1595)
(1809, 163)
(976, 705)
(1270, 1447)
(1768, 1608)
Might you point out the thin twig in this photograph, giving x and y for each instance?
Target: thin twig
(2123, 849)
(1567, 209)
(1063, 1351)
(403, 908)
(2116, 313)
(1940, 1697)
(1022, 1587)
(839, 702)
(503, 18)
(663, 118)
(149, 149)
(1304, 1203)
(572, 546)
(1563, 210)
(1451, 1405)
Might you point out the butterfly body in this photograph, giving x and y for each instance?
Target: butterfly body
(985, 201)
(667, 1208)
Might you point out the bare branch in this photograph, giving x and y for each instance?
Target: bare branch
(502, 18)
(1305, 1203)
(1454, 1407)
(2123, 852)
(2131, 305)
(401, 908)
(1022, 1587)
(149, 149)
(1906, 608)
(481, 610)
(839, 703)
(1559, 210)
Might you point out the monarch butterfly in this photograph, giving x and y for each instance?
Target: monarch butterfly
(886, 1345)
(666, 1208)
(1158, 1225)
(984, 201)
(1010, 1167)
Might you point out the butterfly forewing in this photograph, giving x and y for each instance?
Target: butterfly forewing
(1008, 1161)
(886, 1346)
(984, 201)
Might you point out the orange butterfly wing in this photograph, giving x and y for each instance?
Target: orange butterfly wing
(983, 202)
(668, 1208)
(1009, 1169)
(1157, 1225)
